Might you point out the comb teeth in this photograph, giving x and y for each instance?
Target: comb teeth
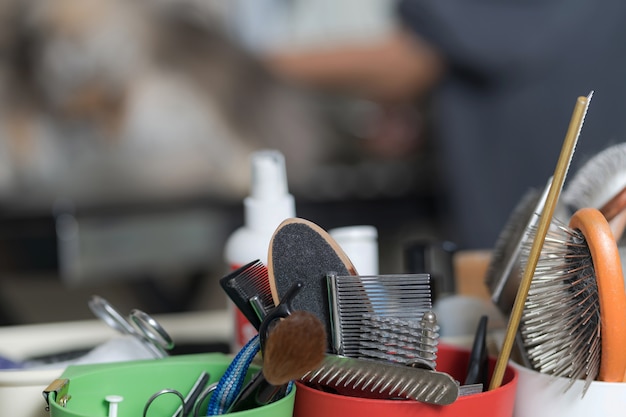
(246, 282)
(560, 324)
(385, 379)
(403, 296)
(400, 341)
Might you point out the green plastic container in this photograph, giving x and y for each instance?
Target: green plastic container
(137, 381)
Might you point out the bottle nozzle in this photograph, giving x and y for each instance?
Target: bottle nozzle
(269, 177)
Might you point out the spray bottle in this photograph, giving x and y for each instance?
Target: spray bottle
(268, 204)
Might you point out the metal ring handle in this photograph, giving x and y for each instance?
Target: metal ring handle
(158, 394)
(105, 311)
(202, 397)
(152, 329)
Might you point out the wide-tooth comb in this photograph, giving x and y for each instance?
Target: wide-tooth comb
(246, 283)
(384, 379)
(400, 341)
(401, 296)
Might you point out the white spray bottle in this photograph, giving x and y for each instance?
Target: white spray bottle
(268, 204)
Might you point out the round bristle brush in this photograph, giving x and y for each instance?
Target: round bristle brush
(601, 183)
(574, 319)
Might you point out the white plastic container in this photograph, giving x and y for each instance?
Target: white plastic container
(268, 204)
(360, 243)
(541, 395)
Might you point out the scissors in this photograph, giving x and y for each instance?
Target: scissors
(191, 403)
(138, 324)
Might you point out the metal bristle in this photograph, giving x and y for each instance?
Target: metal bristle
(385, 379)
(400, 341)
(560, 325)
(402, 296)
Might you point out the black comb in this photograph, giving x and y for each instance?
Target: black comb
(245, 283)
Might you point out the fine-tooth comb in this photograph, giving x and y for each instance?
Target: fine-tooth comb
(403, 297)
(248, 287)
(381, 379)
(400, 341)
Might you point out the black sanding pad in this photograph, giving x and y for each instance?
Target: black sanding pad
(302, 251)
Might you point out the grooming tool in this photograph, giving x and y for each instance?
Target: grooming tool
(601, 183)
(560, 172)
(292, 343)
(188, 402)
(193, 395)
(400, 341)
(478, 366)
(378, 379)
(302, 251)
(248, 287)
(138, 324)
(504, 271)
(403, 297)
(600, 179)
(295, 346)
(573, 323)
(230, 395)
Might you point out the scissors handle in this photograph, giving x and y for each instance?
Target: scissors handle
(102, 309)
(152, 330)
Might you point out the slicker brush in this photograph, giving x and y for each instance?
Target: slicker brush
(574, 320)
(601, 183)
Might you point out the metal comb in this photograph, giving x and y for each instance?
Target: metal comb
(385, 379)
(401, 296)
(401, 341)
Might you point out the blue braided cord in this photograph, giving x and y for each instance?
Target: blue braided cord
(231, 382)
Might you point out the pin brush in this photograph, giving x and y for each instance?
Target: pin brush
(601, 183)
(573, 322)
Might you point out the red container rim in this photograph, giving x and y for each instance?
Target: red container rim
(500, 402)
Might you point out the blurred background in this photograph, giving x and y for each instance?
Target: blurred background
(126, 129)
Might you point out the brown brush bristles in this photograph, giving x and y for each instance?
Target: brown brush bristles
(295, 346)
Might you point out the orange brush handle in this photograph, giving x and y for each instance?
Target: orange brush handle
(612, 297)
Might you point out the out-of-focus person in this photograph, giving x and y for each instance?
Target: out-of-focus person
(501, 80)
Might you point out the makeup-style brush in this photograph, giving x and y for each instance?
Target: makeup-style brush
(294, 346)
(574, 319)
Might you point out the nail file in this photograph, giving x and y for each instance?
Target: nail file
(302, 251)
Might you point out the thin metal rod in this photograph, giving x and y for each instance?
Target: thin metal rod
(567, 150)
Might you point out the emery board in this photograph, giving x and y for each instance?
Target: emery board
(301, 251)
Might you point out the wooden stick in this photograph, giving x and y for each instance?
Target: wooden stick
(567, 151)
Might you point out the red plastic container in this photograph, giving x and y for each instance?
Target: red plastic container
(496, 403)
